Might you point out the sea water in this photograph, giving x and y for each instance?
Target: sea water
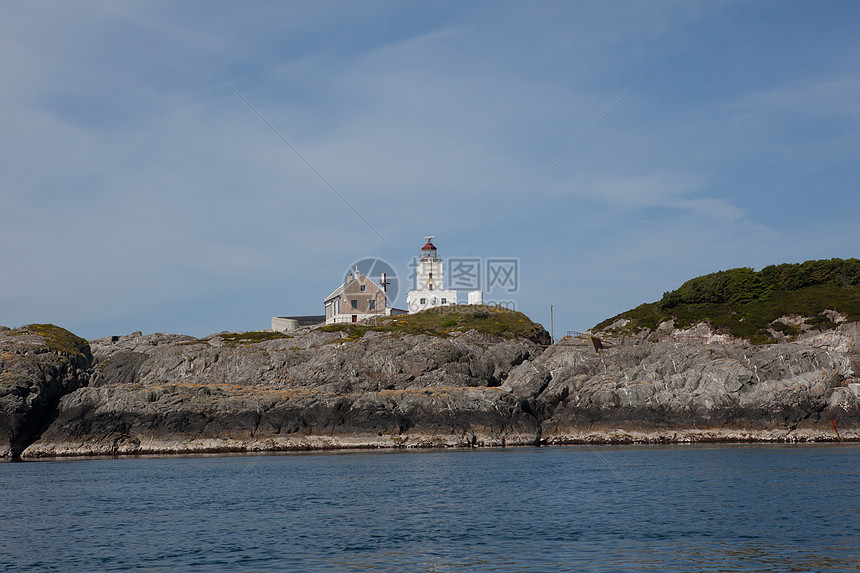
(679, 508)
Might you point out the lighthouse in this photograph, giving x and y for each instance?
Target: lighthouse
(429, 291)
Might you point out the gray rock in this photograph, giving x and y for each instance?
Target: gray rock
(655, 390)
(169, 393)
(160, 393)
(35, 371)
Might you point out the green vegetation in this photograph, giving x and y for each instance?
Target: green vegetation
(59, 339)
(735, 286)
(238, 338)
(744, 303)
(441, 321)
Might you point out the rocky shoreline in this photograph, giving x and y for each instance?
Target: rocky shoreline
(171, 394)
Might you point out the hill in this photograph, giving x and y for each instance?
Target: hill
(779, 302)
(453, 320)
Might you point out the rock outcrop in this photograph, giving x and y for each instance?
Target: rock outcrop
(166, 393)
(38, 365)
(685, 387)
(163, 393)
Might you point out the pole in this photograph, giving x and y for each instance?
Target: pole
(551, 327)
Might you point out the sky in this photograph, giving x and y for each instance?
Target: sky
(195, 167)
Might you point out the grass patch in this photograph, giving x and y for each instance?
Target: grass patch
(238, 338)
(442, 321)
(59, 339)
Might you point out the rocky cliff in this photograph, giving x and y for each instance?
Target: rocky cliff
(38, 365)
(163, 393)
(166, 393)
(695, 385)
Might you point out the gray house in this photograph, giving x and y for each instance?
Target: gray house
(356, 299)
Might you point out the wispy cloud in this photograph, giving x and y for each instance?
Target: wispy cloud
(817, 96)
(682, 192)
(136, 186)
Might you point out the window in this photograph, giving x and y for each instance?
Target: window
(444, 301)
(354, 304)
(372, 305)
(362, 288)
(423, 301)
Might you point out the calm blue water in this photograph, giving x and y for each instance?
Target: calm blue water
(727, 508)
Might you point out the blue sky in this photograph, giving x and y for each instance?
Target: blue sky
(139, 192)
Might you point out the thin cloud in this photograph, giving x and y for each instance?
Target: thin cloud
(654, 190)
(833, 97)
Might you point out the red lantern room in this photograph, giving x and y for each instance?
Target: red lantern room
(428, 251)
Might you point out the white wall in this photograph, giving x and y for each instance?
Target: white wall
(284, 324)
(432, 299)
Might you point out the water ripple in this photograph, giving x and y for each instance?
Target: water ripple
(690, 509)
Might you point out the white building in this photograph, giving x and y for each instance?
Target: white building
(429, 291)
(476, 297)
(291, 323)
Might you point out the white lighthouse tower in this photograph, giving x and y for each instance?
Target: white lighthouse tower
(429, 288)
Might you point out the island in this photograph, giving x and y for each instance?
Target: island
(738, 355)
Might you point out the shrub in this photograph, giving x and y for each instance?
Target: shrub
(745, 303)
